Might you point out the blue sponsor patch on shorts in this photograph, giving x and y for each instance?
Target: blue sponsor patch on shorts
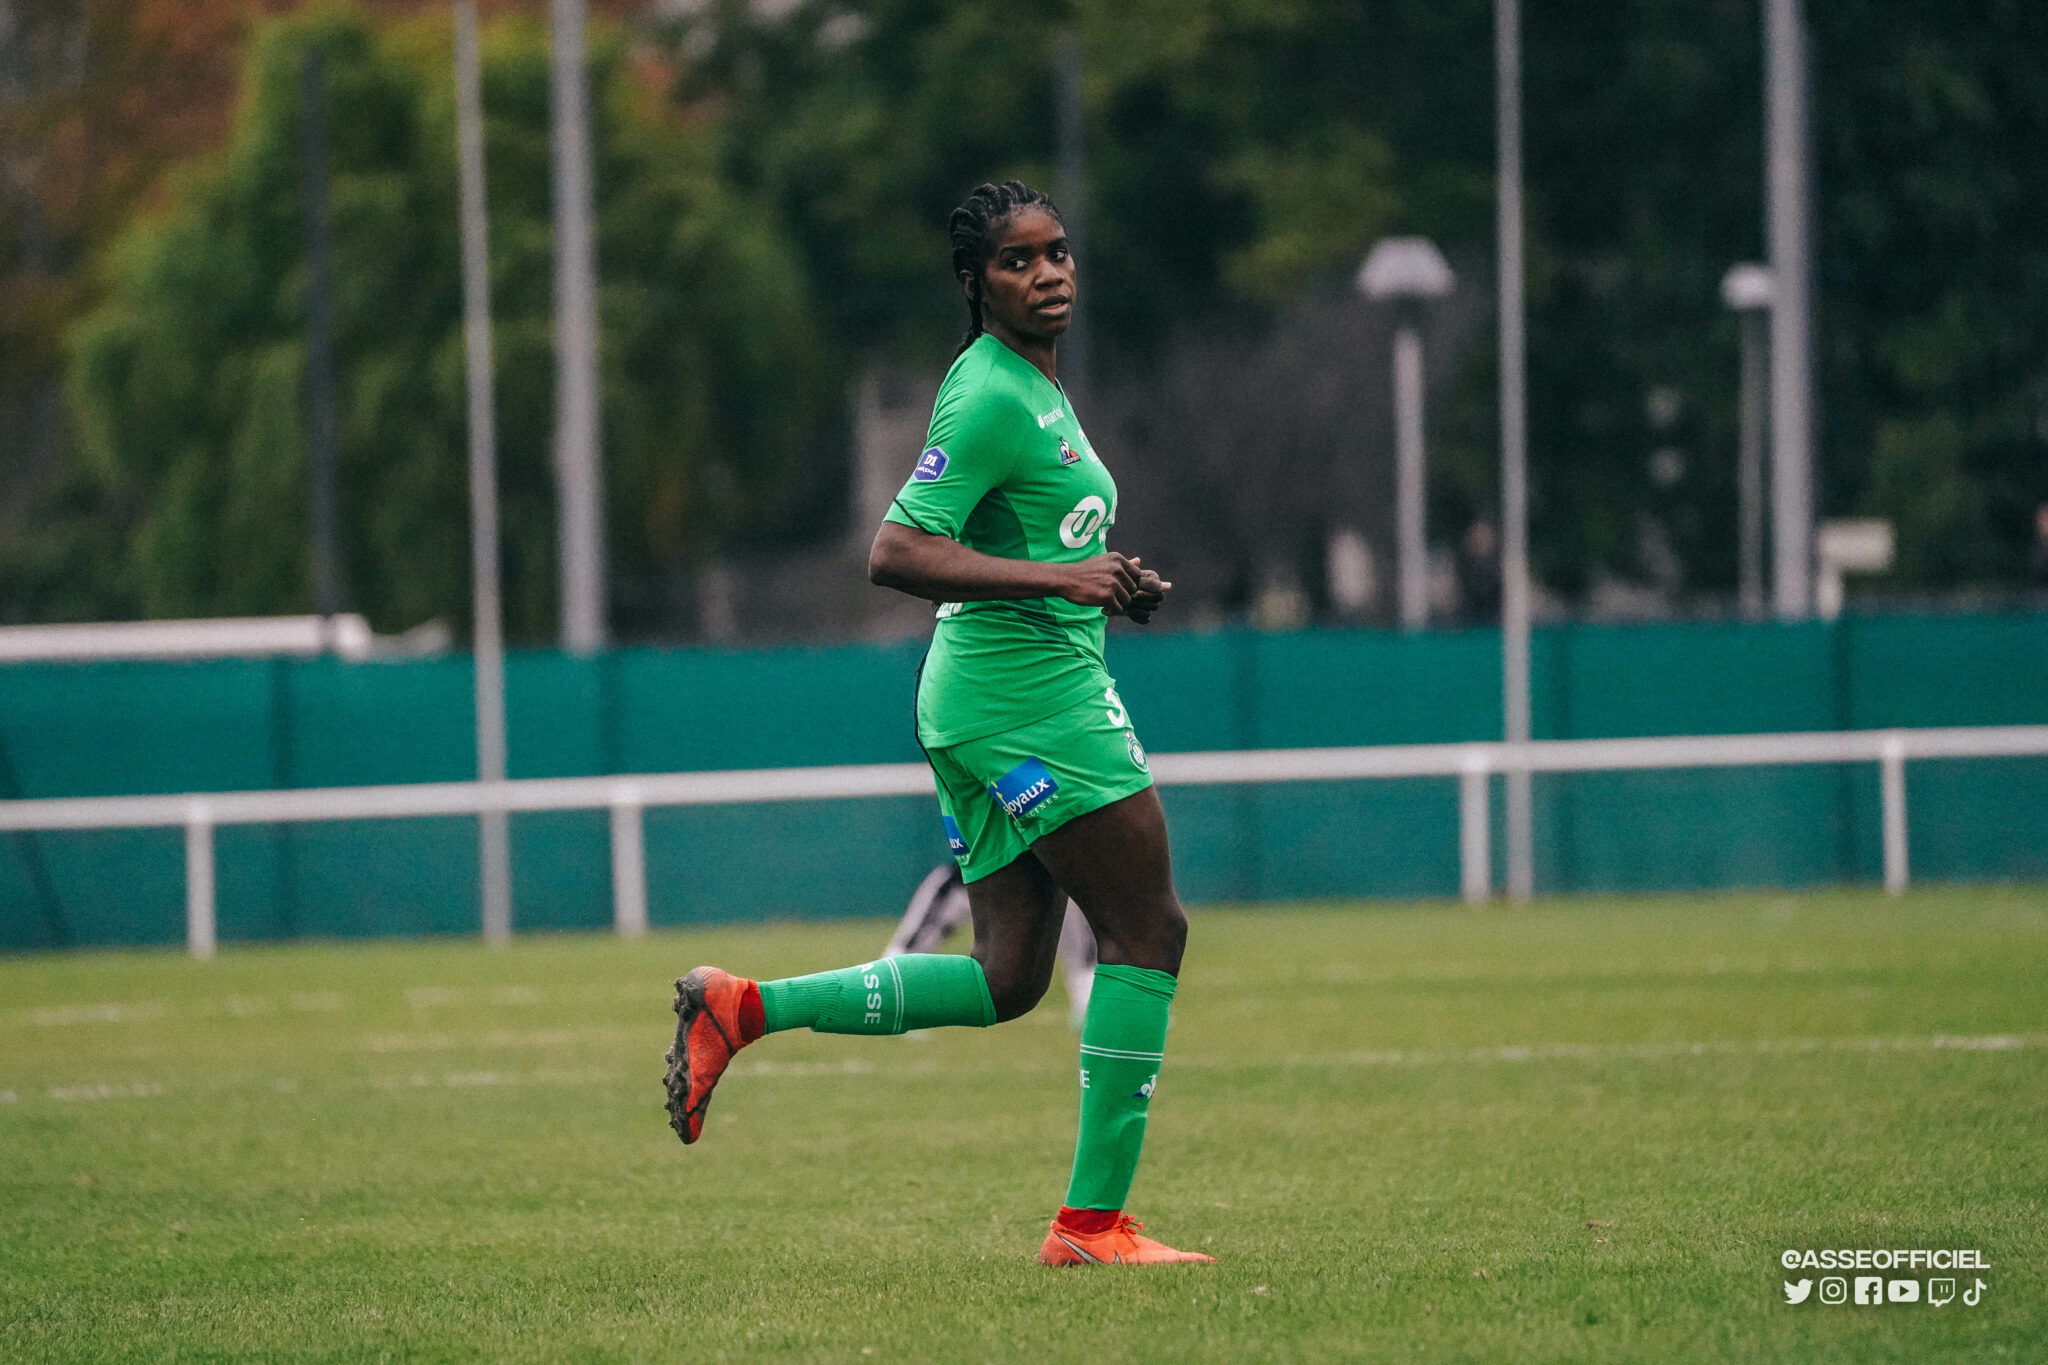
(930, 465)
(1024, 788)
(953, 839)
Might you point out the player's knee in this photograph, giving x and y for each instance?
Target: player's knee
(1158, 938)
(1170, 934)
(1015, 993)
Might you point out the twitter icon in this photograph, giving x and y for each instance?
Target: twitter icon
(1796, 1293)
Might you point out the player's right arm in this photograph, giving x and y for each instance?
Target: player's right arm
(940, 569)
(976, 439)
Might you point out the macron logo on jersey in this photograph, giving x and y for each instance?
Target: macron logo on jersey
(1024, 788)
(929, 466)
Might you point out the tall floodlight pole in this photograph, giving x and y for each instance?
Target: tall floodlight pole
(494, 840)
(1407, 271)
(330, 593)
(1514, 436)
(1073, 181)
(1747, 290)
(1788, 188)
(578, 466)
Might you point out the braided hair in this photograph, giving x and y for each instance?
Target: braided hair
(974, 225)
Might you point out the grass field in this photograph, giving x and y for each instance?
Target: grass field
(1579, 1131)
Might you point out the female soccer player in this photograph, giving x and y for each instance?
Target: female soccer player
(1042, 783)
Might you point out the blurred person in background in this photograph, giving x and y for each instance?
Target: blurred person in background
(1043, 786)
(1479, 572)
(2037, 553)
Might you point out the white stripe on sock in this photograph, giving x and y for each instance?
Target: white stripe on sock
(898, 974)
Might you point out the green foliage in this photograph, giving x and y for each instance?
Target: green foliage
(776, 216)
(1244, 152)
(1221, 177)
(189, 379)
(1936, 253)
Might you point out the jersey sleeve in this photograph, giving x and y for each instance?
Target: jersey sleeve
(971, 448)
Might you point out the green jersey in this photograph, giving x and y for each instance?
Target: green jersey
(1007, 471)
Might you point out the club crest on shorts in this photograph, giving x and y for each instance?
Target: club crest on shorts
(1136, 750)
(953, 839)
(1024, 788)
(1068, 455)
(930, 465)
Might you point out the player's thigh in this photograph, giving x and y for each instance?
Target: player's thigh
(1018, 911)
(1116, 862)
(1015, 904)
(1077, 785)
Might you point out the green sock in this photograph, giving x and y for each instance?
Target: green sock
(1122, 1045)
(888, 995)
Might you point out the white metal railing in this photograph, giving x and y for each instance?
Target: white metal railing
(627, 797)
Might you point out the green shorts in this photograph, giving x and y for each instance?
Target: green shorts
(1002, 793)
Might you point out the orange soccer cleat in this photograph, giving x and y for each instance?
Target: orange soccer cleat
(1120, 1245)
(711, 1025)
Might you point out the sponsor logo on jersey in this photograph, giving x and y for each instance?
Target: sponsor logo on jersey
(1078, 527)
(1046, 419)
(930, 465)
(1069, 455)
(1024, 788)
(953, 839)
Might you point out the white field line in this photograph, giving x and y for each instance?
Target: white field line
(514, 1040)
(149, 1011)
(478, 1080)
(61, 1016)
(133, 1090)
(1581, 1052)
(862, 1067)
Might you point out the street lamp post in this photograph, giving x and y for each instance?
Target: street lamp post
(1788, 192)
(579, 465)
(1747, 289)
(494, 835)
(1514, 446)
(1407, 271)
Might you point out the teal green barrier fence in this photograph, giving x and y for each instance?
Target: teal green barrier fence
(104, 729)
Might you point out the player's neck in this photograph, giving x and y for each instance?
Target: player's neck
(1041, 352)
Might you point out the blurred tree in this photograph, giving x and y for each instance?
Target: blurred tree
(1238, 148)
(96, 98)
(1245, 151)
(188, 379)
(1934, 292)
(781, 210)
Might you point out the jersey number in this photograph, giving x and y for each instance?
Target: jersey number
(1118, 717)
